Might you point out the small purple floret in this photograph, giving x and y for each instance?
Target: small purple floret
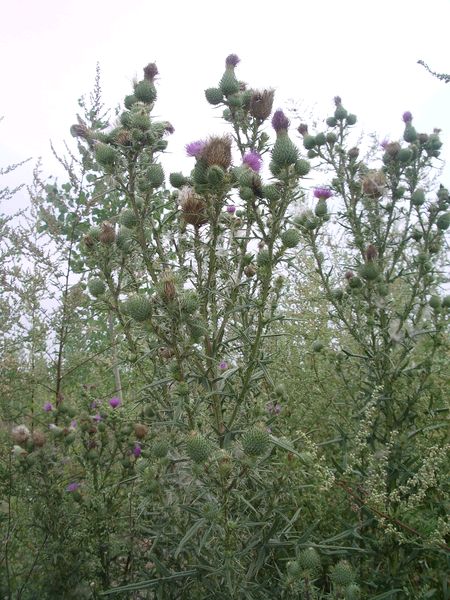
(279, 121)
(407, 117)
(137, 451)
(384, 143)
(48, 407)
(115, 402)
(223, 365)
(72, 487)
(322, 193)
(231, 209)
(253, 160)
(232, 60)
(194, 149)
(73, 424)
(97, 418)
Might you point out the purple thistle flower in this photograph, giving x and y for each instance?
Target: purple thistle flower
(273, 409)
(73, 424)
(73, 487)
(194, 149)
(337, 100)
(223, 365)
(232, 60)
(231, 209)
(115, 402)
(253, 160)
(137, 451)
(48, 407)
(322, 193)
(384, 143)
(407, 117)
(97, 418)
(279, 121)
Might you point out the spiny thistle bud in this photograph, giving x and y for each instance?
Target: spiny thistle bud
(122, 137)
(369, 271)
(317, 346)
(217, 151)
(155, 174)
(302, 167)
(129, 101)
(160, 449)
(351, 119)
(229, 84)
(128, 218)
(145, 91)
(373, 184)
(215, 176)
(446, 301)
(140, 430)
(263, 258)
(214, 96)
(443, 222)
(353, 153)
(418, 197)
(309, 560)
(20, 434)
(435, 302)
(177, 180)
(320, 139)
(352, 592)
(198, 448)
(150, 72)
(342, 574)
(290, 238)
(193, 207)
(272, 192)
(261, 103)
(255, 441)
(340, 113)
(124, 239)
(189, 301)
(139, 308)
(355, 283)
(96, 287)
(309, 142)
(105, 155)
(321, 209)
(371, 252)
(284, 151)
(107, 233)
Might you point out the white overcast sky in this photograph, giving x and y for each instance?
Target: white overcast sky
(366, 52)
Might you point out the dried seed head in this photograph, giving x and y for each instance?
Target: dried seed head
(217, 151)
(168, 286)
(39, 438)
(261, 103)
(108, 233)
(371, 252)
(166, 352)
(373, 184)
(193, 207)
(140, 430)
(150, 72)
(20, 434)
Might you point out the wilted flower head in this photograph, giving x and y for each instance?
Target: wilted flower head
(115, 402)
(150, 71)
(279, 121)
(371, 252)
(20, 434)
(337, 100)
(137, 451)
(322, 193)
(253, 160)
(373, 184)
(39, 438)
(302, 129)
(73, 487)
(195, 149)
(193, 207)
(232, 60)
(168, 127)
(407, 117)
(48, 407)
(217, 151)
(261, 103)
